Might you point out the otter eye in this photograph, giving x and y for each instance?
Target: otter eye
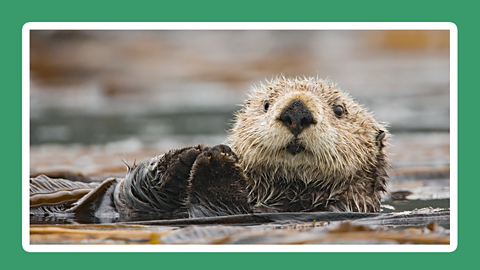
(338, 110)
(266, 104)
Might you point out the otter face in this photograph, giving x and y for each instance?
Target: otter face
(297, 126)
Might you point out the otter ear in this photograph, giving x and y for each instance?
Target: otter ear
(380, 136)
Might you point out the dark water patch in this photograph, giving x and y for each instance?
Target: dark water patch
(60, 127)
(407, 205)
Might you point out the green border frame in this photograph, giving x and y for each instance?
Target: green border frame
(15, 15)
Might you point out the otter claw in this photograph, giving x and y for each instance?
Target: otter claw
(222, 150)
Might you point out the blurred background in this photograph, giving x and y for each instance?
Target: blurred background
(98, 97)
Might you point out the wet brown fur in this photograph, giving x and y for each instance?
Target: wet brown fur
(342, 167)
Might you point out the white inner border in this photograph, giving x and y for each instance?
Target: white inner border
(237, 26)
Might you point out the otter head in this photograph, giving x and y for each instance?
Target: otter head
(306, 129)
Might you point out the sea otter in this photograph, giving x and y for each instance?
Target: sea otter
(296, 145)
(306, 146)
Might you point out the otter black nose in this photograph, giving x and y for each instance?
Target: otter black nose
(296, 116)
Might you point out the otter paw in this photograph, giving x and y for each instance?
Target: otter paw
(217, 184)
(185, 162)
(215, 163)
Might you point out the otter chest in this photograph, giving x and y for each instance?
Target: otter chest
(289, 196)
